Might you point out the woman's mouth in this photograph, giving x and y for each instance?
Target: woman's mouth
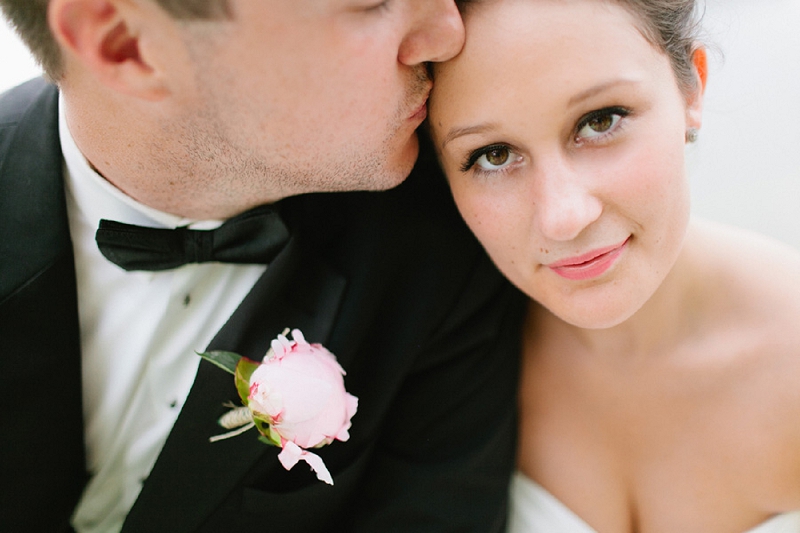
(591, 264)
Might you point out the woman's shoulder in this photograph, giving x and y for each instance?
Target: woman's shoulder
(757, 302)
(749, 288)
(757, 271)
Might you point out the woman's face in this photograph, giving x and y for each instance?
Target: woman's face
(562, 132)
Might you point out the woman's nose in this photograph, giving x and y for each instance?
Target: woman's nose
(564, 204)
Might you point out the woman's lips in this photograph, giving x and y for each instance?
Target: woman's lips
(591, 264)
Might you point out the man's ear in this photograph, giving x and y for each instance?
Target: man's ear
(694, 112)
(101, 35)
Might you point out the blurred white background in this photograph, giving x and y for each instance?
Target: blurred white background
(745, 169)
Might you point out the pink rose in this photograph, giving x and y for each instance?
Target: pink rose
(299, 391)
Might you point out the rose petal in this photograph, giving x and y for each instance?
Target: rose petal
(297, 335)
(318, 466)
(351, 404)
(343, 434)
(292, 453)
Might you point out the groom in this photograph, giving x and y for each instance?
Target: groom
(231, 116)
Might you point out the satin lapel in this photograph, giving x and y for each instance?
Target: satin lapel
(192, 476)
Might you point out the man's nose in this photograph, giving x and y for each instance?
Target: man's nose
(437, 33)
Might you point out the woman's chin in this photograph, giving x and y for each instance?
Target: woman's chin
(595, 315)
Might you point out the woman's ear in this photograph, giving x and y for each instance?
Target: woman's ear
(694, 112)
(100, 37)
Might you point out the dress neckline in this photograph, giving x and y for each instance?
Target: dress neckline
(533, 508)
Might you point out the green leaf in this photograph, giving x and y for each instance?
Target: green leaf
(266, 440)
(225, 360)
(265, 429)
(268, 435)
(244, 369)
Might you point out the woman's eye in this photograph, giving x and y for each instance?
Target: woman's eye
(495, 157)
(599, 123)
(380, 6)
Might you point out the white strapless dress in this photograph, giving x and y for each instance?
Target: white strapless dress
(534, 510)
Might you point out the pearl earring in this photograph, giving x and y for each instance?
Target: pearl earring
(692, 134)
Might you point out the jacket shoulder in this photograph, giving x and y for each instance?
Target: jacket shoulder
(33, 227)
(15, 102)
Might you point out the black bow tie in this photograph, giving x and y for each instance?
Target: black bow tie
(254, 237)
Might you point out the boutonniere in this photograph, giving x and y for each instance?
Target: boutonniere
(294, 397)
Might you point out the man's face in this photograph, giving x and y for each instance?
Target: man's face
(311, 95)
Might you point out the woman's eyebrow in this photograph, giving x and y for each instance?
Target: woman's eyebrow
(599, 88)
(454, 133)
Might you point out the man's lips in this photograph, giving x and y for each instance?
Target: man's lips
(421, 112)
(590, 264)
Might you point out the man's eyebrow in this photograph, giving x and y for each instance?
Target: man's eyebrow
(599, 88)
(467, 130)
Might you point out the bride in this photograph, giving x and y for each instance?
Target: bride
(660, 387)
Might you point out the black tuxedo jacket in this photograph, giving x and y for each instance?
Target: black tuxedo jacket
(391, 282)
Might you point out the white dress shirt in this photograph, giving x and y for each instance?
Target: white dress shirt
(139, 335)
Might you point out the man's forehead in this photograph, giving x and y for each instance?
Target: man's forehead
(300, 6)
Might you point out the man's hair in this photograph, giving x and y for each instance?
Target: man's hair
(29, 19)
(671, 26)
